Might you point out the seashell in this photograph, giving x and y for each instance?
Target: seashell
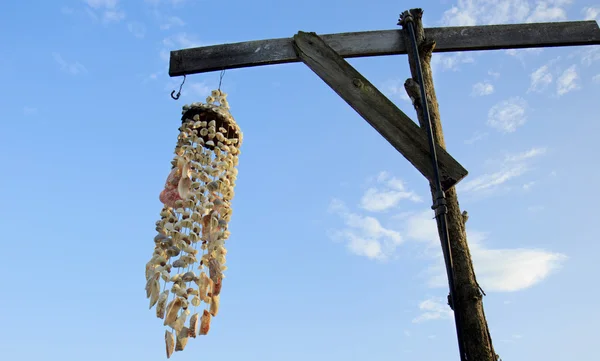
(162, 304)
(154, 293)
(212, 124)
(215, 273)
(150, 284)
(214, 305)
(210, 143)
(189, 259)
(179, 291)
(176, 277)
(194, 325)
(173, 252)
(195, 301)
(169, 226)
(203, 132)
(186, 223)
(180, 263)
(150, 270)
(172, 311)
(182, 339)
(166, 242)
(191, 250)
(222, 224)
(198, 123)
(203, 284)
(180, 322)
(170, 343)
(204, 323)
(159, 237)
(193, 236)
(184, 303)
(191, 291)
(188, 277)
(221, 260)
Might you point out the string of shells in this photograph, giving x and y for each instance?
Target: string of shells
(185, 274)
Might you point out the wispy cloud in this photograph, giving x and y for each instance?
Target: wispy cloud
(568, 81)
(364, 235)
(484, 12)
(482, 88)
(388, 194)
(452, 62)
(596, 78)
(105, 10)
(540, 79)
(433, 308)
(511, 167)
(507, 115)
(591, 13)
(394, 89)
(498, 270)
(477, 136)
(169, 22)
(73, 68)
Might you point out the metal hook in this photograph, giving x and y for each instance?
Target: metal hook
(176, 96)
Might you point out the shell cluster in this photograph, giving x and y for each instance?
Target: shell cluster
(185, 274)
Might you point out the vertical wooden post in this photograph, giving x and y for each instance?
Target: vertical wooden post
(476, 339)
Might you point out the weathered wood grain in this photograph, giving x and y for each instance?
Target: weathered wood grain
(383, 115)
(386, 42)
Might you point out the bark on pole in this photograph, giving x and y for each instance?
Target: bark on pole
(477, 342)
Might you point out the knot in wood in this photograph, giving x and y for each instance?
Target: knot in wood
(357, 82)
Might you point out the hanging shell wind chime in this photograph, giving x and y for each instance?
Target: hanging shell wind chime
(189, 252)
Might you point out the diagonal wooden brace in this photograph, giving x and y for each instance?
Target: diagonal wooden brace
(383, 115)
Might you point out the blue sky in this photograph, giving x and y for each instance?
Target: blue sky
(333, 253)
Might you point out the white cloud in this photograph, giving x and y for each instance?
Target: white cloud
(107, 10)
(179, 41)
(390, 192)
(502, 270)
(433, 309)
(596, 78)
(485, 12)
(477, 136)
(71, 68)
(364, 236)
(590, 55)
(507, 115)
(452, 62)
(482, 88)
(568, 81)
(527, 186)
(494, 74)
(499, 270)
(591, 13)
(137, 29)
(510, 168)
(395, 89)
(171, 21)
(546, 11)
(540, 79)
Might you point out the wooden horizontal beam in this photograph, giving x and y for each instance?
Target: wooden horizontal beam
(386, 42)
(383, 115)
